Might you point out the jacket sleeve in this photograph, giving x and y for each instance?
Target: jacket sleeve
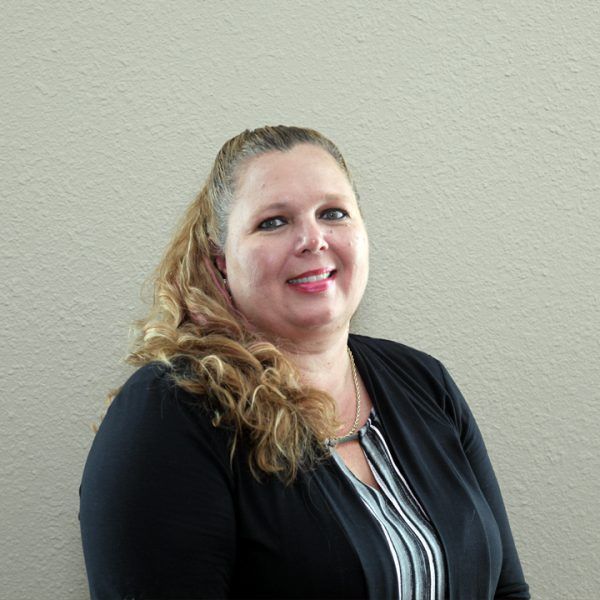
(511, 583)
(156, 504)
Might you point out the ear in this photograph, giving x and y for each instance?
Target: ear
(221, 264)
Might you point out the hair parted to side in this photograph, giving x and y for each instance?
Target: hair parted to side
(256, 390)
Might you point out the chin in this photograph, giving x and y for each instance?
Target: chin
(325, 322)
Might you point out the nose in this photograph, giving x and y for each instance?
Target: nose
(311, 239)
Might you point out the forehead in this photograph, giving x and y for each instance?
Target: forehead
(306, 169)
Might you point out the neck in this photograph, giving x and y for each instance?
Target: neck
(322, 363)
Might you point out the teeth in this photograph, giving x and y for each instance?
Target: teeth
(311, 278)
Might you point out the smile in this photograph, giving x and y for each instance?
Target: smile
(313, 278)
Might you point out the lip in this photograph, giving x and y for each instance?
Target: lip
(313, 287)
(312, 273)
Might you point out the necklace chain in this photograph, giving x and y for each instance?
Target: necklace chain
(357, 396)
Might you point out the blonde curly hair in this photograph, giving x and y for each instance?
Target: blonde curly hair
(255, 388)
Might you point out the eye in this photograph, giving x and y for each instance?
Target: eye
(271, 223)
(334, 214)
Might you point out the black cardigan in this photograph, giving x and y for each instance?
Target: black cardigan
(165, 513)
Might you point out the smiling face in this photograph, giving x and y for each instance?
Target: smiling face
(296, 255)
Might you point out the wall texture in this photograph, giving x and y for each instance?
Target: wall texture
(474, 132)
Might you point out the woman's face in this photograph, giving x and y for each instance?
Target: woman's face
(296, 256)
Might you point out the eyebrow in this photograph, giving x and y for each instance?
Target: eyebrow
(283, 205)
(273, 206)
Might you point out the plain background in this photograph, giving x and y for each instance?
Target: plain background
(473, 130)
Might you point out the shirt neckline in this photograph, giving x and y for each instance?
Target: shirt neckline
(357, 434)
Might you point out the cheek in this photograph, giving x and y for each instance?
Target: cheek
(358, 249)
(257, 265)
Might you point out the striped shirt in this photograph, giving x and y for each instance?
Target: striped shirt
(415, 550)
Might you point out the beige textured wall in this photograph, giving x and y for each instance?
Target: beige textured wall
(474, 133)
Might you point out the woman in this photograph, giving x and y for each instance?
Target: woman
(262, 451)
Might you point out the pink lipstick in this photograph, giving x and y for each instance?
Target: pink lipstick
(315, 281)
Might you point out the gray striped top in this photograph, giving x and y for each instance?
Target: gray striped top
(415, 550)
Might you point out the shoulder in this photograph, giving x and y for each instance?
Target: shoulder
(422, 377)
(152, 415)
(153, 389)
(148, 392)
(399, 357)
(151, 379)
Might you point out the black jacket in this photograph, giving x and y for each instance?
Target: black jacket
(166, 514)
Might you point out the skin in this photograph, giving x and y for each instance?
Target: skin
(295, 212)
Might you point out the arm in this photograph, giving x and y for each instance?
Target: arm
(511, 583)
(157, 516)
